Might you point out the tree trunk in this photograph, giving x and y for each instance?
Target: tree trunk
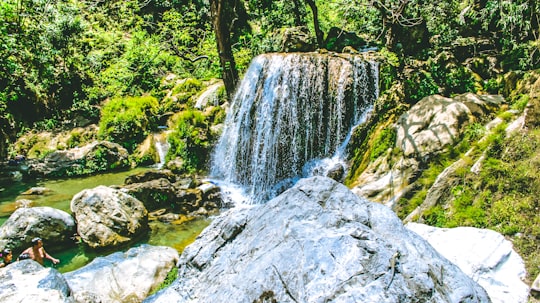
(220, 20)
(297, 15)
(318, 33)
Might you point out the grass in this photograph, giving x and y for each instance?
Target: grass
(504, 196)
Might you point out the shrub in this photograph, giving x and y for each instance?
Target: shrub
(128, 120)
(191, 140)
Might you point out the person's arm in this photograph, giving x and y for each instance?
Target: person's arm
(54, 260)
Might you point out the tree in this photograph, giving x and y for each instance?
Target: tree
(221, 13)
(316, 26)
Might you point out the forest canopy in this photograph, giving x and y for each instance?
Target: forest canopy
(63, 58)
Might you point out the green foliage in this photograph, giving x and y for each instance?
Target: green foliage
(520, 102)
(420, 85)
(385, 141)
(191, 140)
(493, 86)
(171, 276)
(503, 196)
(128, 120)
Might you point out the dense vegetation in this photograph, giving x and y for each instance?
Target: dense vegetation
(112, 62)
(63, 58)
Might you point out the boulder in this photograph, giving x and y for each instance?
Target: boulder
(29, 282)
(434, 123)
(339, 40)
(155, 194)
(484, 255)
(177, 197)
(122, 276)
(425, 130)
(316, 242)
(298, 39)
(54, 226)
(151, 175)
(108, 217)
(95, 157)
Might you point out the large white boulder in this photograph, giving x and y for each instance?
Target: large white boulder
(122, 276)
(108, 217)
(484, 255)
(316, 242)
(54, 226)
(28, 282)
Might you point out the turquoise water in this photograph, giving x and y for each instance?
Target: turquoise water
(176, 234)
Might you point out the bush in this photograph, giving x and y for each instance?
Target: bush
(191, 140)
(128, 120)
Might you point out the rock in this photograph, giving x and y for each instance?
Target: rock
(425, 130)
(535, 287)
(316, 242)
(122, 276)
(431, 125)
(336, 172)
(339, 40)
(484, 255)
(210, 96)
(151, 175)
(37, 191)
(155, 194)
(27, 281)
(91, 158)
(108, 217)
(532, 111)
(297, 39)
(54, 226)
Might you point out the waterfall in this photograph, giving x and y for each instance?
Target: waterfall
(162, 147)
(288, 111)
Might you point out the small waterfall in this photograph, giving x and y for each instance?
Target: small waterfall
(162, 147)
(289, 110)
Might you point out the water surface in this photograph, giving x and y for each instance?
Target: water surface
(60, 192)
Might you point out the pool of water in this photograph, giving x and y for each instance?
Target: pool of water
(175, 234)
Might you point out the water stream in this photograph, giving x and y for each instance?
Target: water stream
(61, 192)
(291, 114)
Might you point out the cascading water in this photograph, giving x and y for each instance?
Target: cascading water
(162, 147)
(289, 111)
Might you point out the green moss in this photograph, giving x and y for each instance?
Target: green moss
(384, 141)
(171, 276)
(128, 120)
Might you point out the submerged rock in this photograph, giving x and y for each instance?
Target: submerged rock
(316, 242)
(484, 255)
(27, 281)
(108, 217)
(122, 276)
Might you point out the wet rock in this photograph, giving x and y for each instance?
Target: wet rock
(317, 242)
(108, 217)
